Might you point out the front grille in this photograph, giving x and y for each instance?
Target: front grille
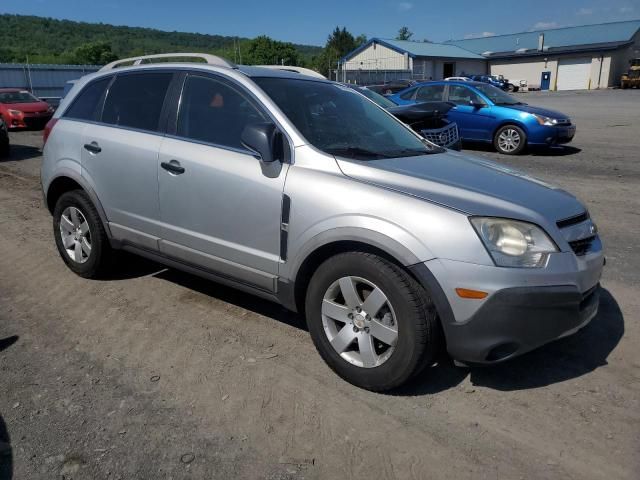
(36, 123)
(582, 246)
(567, 222)
(445, 136)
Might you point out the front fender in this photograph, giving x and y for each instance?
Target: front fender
(386, 236)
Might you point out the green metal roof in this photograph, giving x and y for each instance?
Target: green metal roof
(419, 49)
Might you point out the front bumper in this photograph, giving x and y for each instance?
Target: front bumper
(29, 122)
(552, 135)
(525, 308)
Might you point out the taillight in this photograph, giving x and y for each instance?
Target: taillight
(47, 130)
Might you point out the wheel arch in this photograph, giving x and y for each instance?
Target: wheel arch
(67, 181)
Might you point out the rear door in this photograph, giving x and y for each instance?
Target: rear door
(120, 155)
(430, 93)
(474, 123)
(220, 206)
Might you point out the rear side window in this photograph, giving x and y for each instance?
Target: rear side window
(431, 93)
(135, 100)
(214, 112)
(86, 104)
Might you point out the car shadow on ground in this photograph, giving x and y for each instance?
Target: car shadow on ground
(18, 153)
(6, 452)
(557, 151)
(562, 360)
(134, 266)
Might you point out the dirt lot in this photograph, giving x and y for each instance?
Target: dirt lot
(156, 374)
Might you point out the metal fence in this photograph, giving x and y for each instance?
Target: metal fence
(44, 81)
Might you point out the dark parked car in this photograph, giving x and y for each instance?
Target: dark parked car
(429, 119)
(392, 86)
(4, 139)
(497, 81)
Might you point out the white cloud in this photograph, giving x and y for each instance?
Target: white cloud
(478, 35)
(585, 11)
(626, 9)
(405, 6)
(488, 34)
(545, 25)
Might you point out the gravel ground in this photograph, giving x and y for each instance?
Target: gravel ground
(156, 374)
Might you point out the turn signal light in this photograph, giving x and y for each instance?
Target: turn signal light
(472, 294)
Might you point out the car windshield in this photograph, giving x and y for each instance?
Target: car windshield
(17, 97)
(338, 121)
(384, 102)
(497, 96)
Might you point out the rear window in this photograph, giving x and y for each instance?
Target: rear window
(85, 105)
(135, 100)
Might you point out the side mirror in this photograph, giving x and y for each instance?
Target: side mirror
(477, 104)
(261, 138)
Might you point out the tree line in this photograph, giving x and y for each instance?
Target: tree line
(46, 40)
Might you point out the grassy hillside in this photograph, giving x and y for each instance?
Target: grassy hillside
(47, 40)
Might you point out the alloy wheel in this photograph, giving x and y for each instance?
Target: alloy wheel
(509, 140)
(359, 322)
(75, 234)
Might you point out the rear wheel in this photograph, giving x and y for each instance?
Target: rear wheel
(80, 235)
(510, 140)
(372, 323)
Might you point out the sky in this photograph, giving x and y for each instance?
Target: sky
(310, 22)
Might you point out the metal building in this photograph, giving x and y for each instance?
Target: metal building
(44, 81)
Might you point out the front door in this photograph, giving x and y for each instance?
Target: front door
(220, 206)
(448, 69)
(474, 120)
(545, 82)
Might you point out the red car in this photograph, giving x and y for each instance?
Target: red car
(21, 110)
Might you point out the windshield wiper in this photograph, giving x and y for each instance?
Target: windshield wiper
(413, 152)
(354, 152)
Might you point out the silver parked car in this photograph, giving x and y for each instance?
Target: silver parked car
(303, 191)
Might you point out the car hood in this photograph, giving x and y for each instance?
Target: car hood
(28, 107)
(469, 184)
(538, 110)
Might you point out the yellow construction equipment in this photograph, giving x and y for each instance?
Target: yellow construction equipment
(631, 78)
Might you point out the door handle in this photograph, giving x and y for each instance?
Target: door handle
(92, 147)
(172, 167)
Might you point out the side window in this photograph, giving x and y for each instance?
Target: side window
(135, 100)
(85, 105)
(408, 95)
(430, 93)
(463, 96)
(214, 112)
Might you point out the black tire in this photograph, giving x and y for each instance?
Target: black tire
(504, 149)
(99, 259)
(417, 324)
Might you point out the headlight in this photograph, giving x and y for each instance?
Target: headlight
(15, 113)
(542, 120)
(514, 244)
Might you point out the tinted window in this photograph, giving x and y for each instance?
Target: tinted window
(408, 95)
(339, 121)
(85, 105)
(431, 93)
(463, 96)
(214, 112)
(135, 100)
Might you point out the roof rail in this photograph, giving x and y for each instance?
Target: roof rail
(300, 70)
(209, 59)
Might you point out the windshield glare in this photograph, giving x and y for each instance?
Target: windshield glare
(376, 97)
(497, 96)
(17, 97)
(339, 121)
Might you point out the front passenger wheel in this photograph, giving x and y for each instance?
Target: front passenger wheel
(372, 323)
(80, 235)
(510, 140)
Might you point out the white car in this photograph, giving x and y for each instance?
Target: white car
(457, 79)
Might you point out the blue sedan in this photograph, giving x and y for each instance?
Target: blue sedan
(485, 113)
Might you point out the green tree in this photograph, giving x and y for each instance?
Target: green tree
(404, 34)
(95, 53)
(266, 51)
(339, 43)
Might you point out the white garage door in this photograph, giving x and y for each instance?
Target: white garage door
(573, 74)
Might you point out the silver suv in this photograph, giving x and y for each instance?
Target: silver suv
(303, 191)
